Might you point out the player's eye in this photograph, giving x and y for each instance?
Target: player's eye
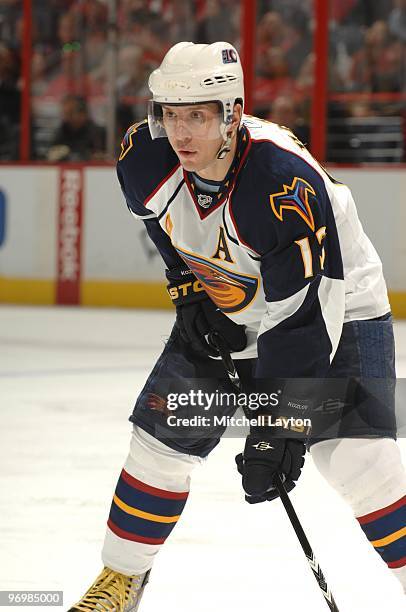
(169, 114)
(197, 116)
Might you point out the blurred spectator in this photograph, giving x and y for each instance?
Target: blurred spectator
(377, 67)
(133, 74)
(72, 77)
(340, 9)
(10, 11)
(271, 32)
(216, 23)
(9, 103)
(305, 78)
(74, 63)
(291, 37)
(284, 111)
(78, 137)
(147, 30)
(125, 116)
(273, 79)
(39, 79)
(67, 32)
(90, 28)
(397, 20)
(361, 12)
(181, 23)
(389, 75)
(93, 14)
(359, 109)
(273, 64)
(132, 82)
(124, 10)
(299, 41)
(288, 8)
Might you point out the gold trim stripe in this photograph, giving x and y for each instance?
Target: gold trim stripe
(124, 294)
(145, 515)
(27, 291)
(390, 538)
(397, 301)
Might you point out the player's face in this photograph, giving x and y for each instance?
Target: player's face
(194, 133)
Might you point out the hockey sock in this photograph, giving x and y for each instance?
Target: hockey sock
(150, 495)
(386, 530)
(142, 513)
(369, 475)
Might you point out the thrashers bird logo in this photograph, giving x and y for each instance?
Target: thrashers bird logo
(231, 291)
(294, 197)
(157, 403)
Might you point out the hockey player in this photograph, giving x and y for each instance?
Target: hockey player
(264, 247)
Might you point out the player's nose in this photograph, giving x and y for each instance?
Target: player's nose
(182, 132)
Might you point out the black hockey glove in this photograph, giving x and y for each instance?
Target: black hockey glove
(197, 316)
(264, 456)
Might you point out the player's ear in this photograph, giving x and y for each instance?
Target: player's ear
(236, 120)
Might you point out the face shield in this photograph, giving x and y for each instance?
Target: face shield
(203, 121)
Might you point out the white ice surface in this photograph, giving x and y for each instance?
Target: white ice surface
(68, 381)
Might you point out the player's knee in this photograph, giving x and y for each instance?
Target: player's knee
(155, 463)
(367, 473)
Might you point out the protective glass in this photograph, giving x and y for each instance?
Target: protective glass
(204, 121)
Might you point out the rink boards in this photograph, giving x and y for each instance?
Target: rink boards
(66, 236)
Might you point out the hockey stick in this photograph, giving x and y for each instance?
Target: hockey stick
(216, 340)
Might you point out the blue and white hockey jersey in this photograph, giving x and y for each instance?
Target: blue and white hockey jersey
(280, 249)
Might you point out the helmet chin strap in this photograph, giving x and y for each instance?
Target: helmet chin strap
(225, 147)
(227, 138)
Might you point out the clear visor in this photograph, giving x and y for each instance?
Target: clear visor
(203, 121)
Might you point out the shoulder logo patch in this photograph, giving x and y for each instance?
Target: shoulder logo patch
(127, 142)
(294, 197)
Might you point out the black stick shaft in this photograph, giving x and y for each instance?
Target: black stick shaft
(305, 544)
(229, 366)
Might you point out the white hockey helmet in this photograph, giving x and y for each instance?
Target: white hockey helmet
(196, 73)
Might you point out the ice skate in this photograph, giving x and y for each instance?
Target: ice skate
(113, 592)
